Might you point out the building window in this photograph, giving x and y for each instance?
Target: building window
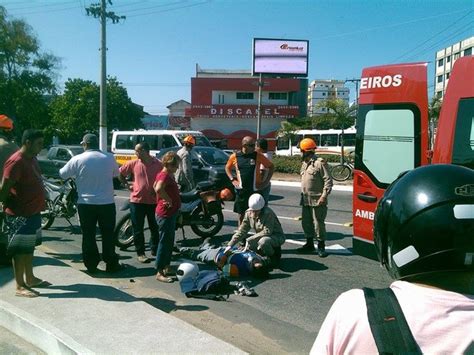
(455, 56)
(440, 79)
(468, 51)
(440, 62)
(277, 95)
(245, 96)
(448, 59)
(324, 94)
(439, 94)
(447, 76)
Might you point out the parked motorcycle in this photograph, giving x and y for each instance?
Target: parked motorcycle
(201, 209)
(61, 201)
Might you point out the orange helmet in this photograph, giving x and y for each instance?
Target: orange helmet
(307, 144)
(226, 195)
(189, 140)
(6, 123)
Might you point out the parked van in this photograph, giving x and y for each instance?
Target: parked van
(123, 142)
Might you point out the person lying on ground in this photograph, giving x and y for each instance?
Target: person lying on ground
(233, 261)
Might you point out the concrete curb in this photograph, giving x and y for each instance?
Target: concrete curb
(298, 184)
(44, 336)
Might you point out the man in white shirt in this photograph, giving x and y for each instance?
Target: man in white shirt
(93, 172)
(424, 236)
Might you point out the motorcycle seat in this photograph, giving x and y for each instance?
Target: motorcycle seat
(189, 196)
(52, 186)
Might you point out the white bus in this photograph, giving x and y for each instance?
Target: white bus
(328, 141)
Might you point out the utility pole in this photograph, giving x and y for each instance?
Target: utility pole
(100, 11)
(356, 81)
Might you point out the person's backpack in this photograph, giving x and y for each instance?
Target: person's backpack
(209, 284)
(389, 327)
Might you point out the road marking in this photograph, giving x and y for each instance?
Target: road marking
(298, 218)
(298, 184)
(339, 249)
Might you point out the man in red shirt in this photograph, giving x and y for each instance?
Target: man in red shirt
(23, 195)
(142, 197)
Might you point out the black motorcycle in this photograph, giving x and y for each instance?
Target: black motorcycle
(201, 209)
(61, 201)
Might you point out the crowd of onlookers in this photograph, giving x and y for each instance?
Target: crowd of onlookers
(423, 232)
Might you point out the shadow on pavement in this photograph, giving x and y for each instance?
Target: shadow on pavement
(296, 264)
(169, 306)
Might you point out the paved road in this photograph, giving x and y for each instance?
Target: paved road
(291, 304)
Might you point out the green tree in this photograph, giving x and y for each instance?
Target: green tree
(288, 131)
(27, 76)
(339, 114)
(76, 111)
(434, 108)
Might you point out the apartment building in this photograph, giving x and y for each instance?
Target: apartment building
(445, 59)
(323, 89)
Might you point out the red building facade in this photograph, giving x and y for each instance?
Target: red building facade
(224, 105)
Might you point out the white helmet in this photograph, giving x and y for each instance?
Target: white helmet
(187, 270)
(256, 202)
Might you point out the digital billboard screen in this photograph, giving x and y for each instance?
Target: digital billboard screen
(280, 57)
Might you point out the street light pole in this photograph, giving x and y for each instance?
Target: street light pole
(259, 109)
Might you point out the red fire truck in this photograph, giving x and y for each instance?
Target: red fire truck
(392, 133)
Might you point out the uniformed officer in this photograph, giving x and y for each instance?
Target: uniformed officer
(316, 185)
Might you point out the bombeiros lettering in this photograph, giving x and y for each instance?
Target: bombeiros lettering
(374, 82)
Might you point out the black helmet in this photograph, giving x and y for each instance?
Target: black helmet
(425, 222)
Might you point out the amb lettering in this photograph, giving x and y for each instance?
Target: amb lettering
(374, 82)
(365, 214)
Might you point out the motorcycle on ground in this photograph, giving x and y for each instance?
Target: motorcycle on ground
(201, 209)
(61, 201)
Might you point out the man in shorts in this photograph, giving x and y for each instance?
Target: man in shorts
(23, 196)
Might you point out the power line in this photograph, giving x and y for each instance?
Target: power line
(392, 25)
(31, 6)
(48, 11)
(167, 10)
(450, 26)
(444, 40)
(150, 7)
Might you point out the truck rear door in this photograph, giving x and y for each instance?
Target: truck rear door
(392, 137)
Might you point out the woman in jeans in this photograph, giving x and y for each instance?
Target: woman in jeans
(167, 208)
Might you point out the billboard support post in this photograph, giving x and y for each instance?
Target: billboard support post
(259, 115)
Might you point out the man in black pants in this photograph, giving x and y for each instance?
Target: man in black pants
(93, 172)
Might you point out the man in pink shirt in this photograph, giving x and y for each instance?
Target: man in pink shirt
(142, 197)
(424, 236)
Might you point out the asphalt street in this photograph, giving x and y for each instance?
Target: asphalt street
(291, 305)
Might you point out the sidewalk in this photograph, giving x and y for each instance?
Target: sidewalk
(79, 314)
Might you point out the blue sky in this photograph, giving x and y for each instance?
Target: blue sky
(155, 50)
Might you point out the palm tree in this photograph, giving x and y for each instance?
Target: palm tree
(340, 114)
(288, 130)
(434, 109)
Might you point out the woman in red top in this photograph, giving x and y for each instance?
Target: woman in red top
(167, 208)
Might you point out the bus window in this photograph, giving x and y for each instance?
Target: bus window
(349, 139)
(329, 140)
(297, 140)
(125, 141)
(283, 143)
(463, 149)
(314, 137)
(388, 146)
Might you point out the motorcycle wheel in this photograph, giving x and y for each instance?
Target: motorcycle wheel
(210, 229)
(123, 232)
(47, 216)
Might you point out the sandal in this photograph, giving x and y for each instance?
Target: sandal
(244, 290)
(40, 284)
(162, 278)
(24, 292)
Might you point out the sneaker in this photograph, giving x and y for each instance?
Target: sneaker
(143, 259)
(308, 247)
